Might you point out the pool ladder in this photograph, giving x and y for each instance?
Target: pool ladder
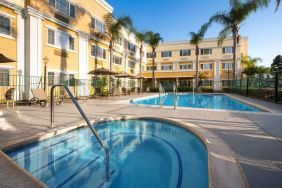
(161, 93)
(106, 149)
(175, 96)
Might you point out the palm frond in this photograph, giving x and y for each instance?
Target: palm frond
(277, 4)
(221, 18)
(223, 34)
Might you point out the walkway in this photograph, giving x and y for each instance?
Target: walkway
(256, 138)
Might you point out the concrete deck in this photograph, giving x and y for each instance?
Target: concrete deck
(255, 138)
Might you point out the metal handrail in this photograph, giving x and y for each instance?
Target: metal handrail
(175, 94)
(106, 149)
(161, 91)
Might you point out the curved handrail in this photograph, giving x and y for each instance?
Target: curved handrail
(106, 149)
(175, 94)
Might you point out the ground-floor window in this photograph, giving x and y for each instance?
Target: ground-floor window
(206, 83)
(4, 77)
(185, 83)
(226, 82)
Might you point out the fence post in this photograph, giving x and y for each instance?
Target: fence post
(276, 86)
(247, 91)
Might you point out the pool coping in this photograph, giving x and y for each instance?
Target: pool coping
(224, 169)
(263, 108)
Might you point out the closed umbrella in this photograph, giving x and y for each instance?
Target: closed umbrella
(4, 59)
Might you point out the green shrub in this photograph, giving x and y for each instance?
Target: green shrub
(207, 89)
(184, 89)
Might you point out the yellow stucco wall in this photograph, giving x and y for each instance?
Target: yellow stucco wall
(8, 45)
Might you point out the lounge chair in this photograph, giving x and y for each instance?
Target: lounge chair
(39, 97)
(9, 96)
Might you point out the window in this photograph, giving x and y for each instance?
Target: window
(63, 6)
(117, 60)
(60, 39)
(51, 37)
(227, 66)
(71, 43)
(206, 83)
(227, 50)
(131, 64)
(99, 52)
(71, 80)
(4, 77)
(185, 66)
(185, 52)
(166, 67)
(166, 54)
(51, 77)
(98, 25)
(149, 68)
(119, 41)
(226, 82)
(150, 55)
(5, 25)
(206, 66)
(185, 83)
(206, 51)
(131, 47)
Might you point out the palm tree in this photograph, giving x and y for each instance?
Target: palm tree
(232, 20)
(202, 76)
(99, 36)
(250, 65)
(140, 37)
(195, 40)
(113, 31)
(153, 39)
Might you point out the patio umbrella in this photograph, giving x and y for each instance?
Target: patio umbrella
(138, 77)
(102, 71)
(4, 59)
(124, 75)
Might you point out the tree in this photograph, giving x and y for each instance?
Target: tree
(250, 65)
(202, 76)
(113, 30)
(140, 38)
(232, 20)
(195, 40)
(277, 63)
(99, 36)
(153, 39)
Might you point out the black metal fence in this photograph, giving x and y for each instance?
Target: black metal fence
(79, 87)
(265, 86)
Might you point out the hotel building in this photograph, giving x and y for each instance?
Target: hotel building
(176, 62)
(61, 35)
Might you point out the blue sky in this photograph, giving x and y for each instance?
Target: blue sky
(175, 19)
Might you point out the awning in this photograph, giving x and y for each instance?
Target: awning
(4, 59)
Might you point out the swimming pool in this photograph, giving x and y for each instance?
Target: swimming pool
(210, 101)
(143, 153)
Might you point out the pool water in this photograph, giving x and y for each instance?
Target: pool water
(209, 101)
(143, 154)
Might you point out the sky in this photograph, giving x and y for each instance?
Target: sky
(174, 19)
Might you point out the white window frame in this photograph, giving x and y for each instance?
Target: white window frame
(10, 19)
(94, 24)
(188, 53)
(99, 48)
(56, 43)
(165, 54)
(62, 12)
(9, 74)
(229, 51)
(117, 57)
(203, 50)
(204, 66)
(166, 67)
(224, 67)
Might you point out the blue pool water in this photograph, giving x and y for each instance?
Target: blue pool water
(143, 154)
(210, 101)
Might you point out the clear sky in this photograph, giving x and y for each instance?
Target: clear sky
(174, 19)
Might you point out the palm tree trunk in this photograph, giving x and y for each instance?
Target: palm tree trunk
(140, 66)
(96, 56)
(111, 56)
(234, 55)
(197, 67)
(153, 70)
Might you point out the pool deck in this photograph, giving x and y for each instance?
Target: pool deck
(251, 139)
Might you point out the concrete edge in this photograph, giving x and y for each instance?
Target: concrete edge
(223, 165)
